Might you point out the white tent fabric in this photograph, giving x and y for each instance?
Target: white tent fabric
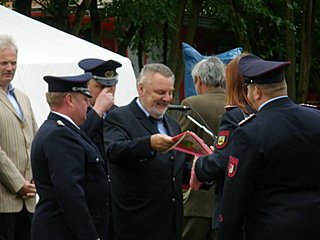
(44, 50)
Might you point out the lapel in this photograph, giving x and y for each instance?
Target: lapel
(4, 98)
(142, 118)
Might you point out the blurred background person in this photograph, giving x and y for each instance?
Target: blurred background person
(146, 180)
(209, 80)
(70, 172)
(17, 129)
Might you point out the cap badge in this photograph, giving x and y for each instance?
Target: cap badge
(233, 166)
(109, 74)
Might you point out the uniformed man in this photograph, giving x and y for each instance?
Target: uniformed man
(272, 186)
(102, 87)
(69, 169)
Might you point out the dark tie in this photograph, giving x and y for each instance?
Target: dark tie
(155, 121)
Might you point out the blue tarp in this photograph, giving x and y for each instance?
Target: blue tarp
(192, 56)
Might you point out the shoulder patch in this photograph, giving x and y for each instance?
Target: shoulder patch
(232, 166)
(223, 139)
(229, 107)
(308, 105)
(60, 123)
(247, 119)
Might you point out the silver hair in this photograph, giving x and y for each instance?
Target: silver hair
(155, 68)
(7, 41)
(211, 72)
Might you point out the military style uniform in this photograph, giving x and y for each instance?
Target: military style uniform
(273, 177)
(104, 72)
(212, 168)
(272, 185)
(69, 173)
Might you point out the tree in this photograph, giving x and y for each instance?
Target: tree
(308, 23)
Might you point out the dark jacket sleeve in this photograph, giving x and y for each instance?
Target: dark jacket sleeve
(213, 167)
(118, 139)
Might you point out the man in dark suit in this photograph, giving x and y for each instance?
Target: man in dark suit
(102, 87)
(272, 185)
(69, 169)
(207, 108)
(146, 178)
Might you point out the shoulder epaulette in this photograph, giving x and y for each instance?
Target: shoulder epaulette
(308, 105)
(60, 123)
(247, 119)
(229, 107)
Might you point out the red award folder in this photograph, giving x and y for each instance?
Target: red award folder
(190, 143)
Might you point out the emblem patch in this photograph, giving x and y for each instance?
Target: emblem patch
(223, 139)
(233, 166)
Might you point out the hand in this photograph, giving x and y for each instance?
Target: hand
(194, 183)
(28, 190)
(104, 102)
(161, 142)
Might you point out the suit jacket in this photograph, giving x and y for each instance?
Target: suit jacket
(145, 185)
(71, 180)
(15, 143)
(272, 186)
(210, 107)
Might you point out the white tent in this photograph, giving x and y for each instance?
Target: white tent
(44, 50)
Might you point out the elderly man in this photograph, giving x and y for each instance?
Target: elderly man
(146, 180)
(17, 129)
(272, 185)
(209, 80)
(69, 169)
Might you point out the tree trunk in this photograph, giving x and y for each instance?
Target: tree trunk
(196, 6)
(291, 51)
(81, 10)
(175, 47)
(23, 7)
(174, 36)
(241, 32)
(308, 23)
(60, 9)
(95, 23)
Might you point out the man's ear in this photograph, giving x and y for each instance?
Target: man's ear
(140, 88)
(69, 99)
(257, 93)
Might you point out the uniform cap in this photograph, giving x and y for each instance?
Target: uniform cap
(69, 83)
(102, 71)
(257, 70)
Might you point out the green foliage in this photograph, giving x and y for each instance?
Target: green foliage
(145, 18)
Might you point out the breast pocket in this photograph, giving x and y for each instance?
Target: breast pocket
(95, 169)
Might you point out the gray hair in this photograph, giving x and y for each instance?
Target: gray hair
(7, 41)
(155, 68)
(211, 72)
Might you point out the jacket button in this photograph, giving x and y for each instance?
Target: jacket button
(173, 179)
(173, 199)
(171, 158)
(97, 159)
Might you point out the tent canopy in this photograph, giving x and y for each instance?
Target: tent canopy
(44, 50)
